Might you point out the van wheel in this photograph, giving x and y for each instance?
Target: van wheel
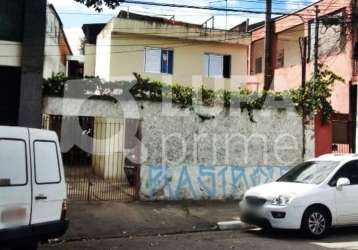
(316, 222)
(28, 245)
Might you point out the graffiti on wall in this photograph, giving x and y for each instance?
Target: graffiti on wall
(203, 181)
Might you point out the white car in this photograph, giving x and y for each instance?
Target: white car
(32, 188)
(313, 196)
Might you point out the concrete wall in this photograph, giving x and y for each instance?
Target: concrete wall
(186, 156)
(108, 162)
(76, 107)
(204, 182)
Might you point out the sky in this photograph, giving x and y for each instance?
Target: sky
(74, 14)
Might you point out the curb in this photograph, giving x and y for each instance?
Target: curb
(134, 235)
(220, 226)
(232, 225)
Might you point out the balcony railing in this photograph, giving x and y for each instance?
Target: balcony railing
(341, 148)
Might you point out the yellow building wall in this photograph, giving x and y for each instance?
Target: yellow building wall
(127, 56)
(103, 53)
(90, 60)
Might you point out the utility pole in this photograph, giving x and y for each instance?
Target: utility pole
(226, 18)
(268, 47)
(316, 42)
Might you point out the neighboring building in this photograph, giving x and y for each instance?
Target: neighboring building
(75, 67)
(91, 32)
(336, 43)
(57, 47)
(32, 46)
(166, 50)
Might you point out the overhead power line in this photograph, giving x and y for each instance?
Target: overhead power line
(237, 10)
(234, 10)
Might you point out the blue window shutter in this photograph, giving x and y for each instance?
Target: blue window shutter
(227, 67)
(170, 61)
(164, 61)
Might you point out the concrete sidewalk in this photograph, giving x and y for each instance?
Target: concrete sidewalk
(110, 219)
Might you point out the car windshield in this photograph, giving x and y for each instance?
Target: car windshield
(311, 172)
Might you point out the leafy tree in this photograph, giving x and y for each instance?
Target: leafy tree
(98, 4)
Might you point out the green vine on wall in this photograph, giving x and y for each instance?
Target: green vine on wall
(314, 97)
(309, 100)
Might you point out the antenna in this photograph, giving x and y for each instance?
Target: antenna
(172, 18)
(226, 15)
(212, 19)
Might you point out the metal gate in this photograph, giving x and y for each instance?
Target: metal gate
(94, 161)
(342, 140)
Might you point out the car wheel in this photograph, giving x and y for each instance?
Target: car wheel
(316, 222)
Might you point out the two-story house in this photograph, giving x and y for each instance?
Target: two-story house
(337, 37)
(166, 50)
(33, 45)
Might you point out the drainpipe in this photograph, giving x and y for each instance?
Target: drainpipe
(303, 50)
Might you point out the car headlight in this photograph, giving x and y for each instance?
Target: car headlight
(282, 200)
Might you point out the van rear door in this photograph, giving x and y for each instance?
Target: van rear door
(15, 178)
(49, 188)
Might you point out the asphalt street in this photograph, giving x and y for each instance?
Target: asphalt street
(243, 239)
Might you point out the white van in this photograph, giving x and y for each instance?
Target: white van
(32, 188)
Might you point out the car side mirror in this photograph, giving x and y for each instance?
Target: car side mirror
(343, 182)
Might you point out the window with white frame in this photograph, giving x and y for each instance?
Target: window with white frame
(159, 60)
(217, 65)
